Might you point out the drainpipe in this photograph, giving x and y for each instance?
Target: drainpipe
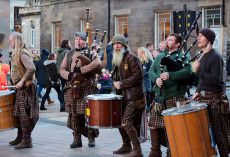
(109, 12)
(223, 13)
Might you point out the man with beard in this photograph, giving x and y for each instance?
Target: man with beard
(209, 69)
(26, 107)
(128, 80)
(73, 69)
(168, 90)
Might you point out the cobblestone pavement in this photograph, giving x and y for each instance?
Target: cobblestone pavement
(51, 138)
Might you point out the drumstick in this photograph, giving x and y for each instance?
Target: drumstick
(8, 86)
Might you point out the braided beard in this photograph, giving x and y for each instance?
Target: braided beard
(118, 56)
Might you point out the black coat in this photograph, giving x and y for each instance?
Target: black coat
(51, 69)
(40, 73)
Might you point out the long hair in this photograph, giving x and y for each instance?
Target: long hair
(19, 46)
(18, 42)
(65, 44)
(146, 55)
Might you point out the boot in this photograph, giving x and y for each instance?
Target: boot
(24, 144)
(62, 109)
(76, 142)
(26, 141)
(18, 138)
(155, 141)
(42, 107)
(50, 101)
(126, 146)
(136, 152)
(91, 142)
(163, 137)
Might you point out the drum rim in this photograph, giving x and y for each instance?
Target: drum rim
(113, 97)
(6, 92)
(172, 112)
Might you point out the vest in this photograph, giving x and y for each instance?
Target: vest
(21, 70)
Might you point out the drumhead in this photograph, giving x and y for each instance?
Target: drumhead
(188, 108)
(103, 97)
(6, 92)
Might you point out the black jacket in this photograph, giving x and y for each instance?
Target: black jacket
(51, 69)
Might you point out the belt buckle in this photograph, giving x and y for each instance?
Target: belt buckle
(202, 93)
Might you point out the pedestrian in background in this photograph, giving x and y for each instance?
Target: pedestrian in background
(64, 48)
(146, 59)
(52, 82)
(41, 74)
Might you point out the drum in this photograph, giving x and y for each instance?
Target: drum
(7, 120)
(104, 110)
(188, 131)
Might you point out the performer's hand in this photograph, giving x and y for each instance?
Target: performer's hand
(98, 86)
(196, 96)
(77, 70)
(195, 66)
(20, 84)
(71, 76)
(159, 82)
(117, 85)
(164, 76)
(158, 107)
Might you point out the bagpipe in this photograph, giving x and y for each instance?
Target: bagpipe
(179, 63)
(86, 56)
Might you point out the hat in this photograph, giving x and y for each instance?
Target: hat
(82, 35)
(45, 52)
(209, 34)
(120, 39)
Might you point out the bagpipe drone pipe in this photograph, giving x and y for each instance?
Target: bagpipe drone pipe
(179, 63)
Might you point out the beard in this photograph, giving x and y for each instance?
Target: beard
(118, 56)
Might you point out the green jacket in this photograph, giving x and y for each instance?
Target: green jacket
(171, 87)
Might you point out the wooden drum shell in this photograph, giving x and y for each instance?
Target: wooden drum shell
(188, 134)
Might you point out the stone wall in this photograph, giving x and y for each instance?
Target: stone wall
(4, 24)
(140, 21)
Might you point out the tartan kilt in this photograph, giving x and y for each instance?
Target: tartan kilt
(77, 106)
(214, 101)
(26, 106)
(156, 119)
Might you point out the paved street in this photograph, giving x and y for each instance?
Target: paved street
(51, 137)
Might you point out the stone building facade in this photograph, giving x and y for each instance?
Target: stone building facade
(30, 16)
(142, 20)
(4, 24)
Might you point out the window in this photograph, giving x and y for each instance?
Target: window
(32, 37)
(32, 34)
(212, 16)
(56, 36)
(162, 26)
(121, 25)
(82, 25)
